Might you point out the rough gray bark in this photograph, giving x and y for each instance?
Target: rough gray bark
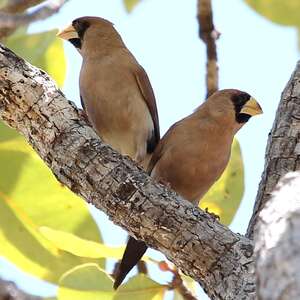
(220, 260)
(9, 291)
(277, 242)
(283, 148)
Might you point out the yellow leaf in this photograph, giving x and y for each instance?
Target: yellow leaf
(78, 246)
(31, 197)
(130, 4)
(284, 12)
(141, 287)
(85, 282)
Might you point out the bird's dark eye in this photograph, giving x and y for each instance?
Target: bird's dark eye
(239, 100)
(81, 27)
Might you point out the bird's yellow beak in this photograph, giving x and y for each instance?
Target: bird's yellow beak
(251, 108)
(68, 33)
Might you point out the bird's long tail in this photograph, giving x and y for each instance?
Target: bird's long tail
(133, 253)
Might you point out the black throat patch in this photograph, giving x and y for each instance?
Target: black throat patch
(239, 100)
(80, 26)
(75, 42)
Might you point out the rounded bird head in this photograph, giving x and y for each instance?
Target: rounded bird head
(233, 107)
(89, 34)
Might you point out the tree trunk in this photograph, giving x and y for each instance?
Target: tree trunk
(277, 243)
(283, 148)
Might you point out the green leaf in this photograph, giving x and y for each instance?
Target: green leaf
(284, 12)
(85, 282)
(43, 50)
(189, 282)
(2, 3)
(130, 4)
(225, 196)
(141, 287)
(177, 295)
(31, 197)
(80, 247)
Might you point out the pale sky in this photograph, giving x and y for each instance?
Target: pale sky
(255, 55)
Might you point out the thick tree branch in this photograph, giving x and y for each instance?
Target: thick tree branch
(283, 148)
(197, 244)
(9, 291)
(209, 35)
(277, 242)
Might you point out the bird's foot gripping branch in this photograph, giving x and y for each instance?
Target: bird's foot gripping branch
(201, 247)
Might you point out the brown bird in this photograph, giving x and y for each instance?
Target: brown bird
(193, 154)
(115, 91)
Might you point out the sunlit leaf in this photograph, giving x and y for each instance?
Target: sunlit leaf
(85, 282)
(141, 287)
(55, 62)
(224, 198)
(130, 4)
(177, 295)
(284, 12)
(2, 3)
(31, 197)
(189, 282)
(43, 50)
(78, 246)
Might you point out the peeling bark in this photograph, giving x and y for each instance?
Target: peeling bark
(220, 260)
(283, 148)
(277, 242)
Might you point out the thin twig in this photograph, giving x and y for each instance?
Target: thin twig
(209, 36)
(142, 267)
(41, 13)
(9, 22)
(177, 282)
(178, 285)
(19, 6)
(9, 291)
(13, 7)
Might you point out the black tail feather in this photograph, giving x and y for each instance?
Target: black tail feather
(133, 253)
